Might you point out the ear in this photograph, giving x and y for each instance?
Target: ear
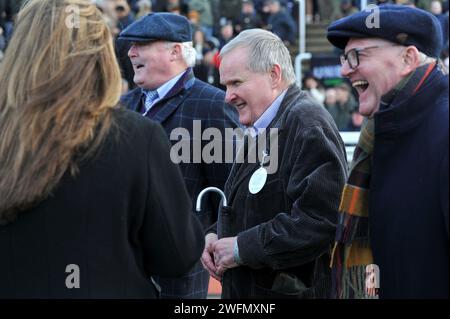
(275, 75)
(175, 52)
(410, 60)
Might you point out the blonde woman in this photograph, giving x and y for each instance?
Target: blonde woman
(86, 205)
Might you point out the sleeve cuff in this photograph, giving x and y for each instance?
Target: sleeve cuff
(251, 251)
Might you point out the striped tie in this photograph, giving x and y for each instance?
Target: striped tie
(150, 97)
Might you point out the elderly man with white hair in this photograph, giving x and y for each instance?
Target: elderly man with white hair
(162, 56)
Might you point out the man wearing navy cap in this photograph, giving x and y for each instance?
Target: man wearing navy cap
(394, 207)
(162, 57)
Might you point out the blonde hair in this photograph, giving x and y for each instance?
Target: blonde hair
(59, 83)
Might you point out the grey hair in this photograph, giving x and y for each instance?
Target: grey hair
(265, 50)
(187, 51)
(99, 3)
(425, 59)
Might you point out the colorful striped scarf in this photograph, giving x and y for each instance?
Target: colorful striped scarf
(352, 252)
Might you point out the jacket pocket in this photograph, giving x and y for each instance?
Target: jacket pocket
(285, 286)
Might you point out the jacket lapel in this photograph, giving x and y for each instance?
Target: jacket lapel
(133, 101)
(242, 171)
(176, 95)
(248, 168)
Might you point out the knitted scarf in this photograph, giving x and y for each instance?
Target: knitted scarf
(352, 252)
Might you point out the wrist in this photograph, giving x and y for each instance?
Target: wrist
(237, 258)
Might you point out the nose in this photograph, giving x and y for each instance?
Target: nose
(132, 52)
(346, 70)
(230, 96)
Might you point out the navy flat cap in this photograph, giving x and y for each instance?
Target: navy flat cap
(399, 24)
(158, 26)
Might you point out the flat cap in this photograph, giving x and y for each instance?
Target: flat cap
(396, 23)
(158, 26)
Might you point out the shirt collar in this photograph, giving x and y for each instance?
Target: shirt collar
(267, 117)
(166, 87)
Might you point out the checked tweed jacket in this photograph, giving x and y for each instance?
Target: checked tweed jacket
(191, 99)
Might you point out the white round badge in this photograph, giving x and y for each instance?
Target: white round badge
(258, 180)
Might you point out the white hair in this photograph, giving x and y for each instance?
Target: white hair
(98, 3)
(265, 50)
(425, 59)
(187, 51)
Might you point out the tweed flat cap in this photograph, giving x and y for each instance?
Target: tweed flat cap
(399, 24)
(158, 26)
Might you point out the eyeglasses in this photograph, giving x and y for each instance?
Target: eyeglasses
(352, 56)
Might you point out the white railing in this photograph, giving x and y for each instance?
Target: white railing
(363, 4)
(350, 140)
(302, 56)
(301, 42)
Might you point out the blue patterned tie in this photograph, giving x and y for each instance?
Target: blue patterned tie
(150, 97)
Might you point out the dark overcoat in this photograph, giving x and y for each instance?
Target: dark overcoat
(99, 234)
(408, 212)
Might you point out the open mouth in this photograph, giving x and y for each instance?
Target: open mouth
(360, 86)
(138, 66)
(240, 106)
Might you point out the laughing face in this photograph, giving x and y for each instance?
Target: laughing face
(150, 62)
(249, 92)
(378, 72)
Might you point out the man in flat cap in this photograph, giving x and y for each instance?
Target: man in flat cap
(394, 207)
(162, 57)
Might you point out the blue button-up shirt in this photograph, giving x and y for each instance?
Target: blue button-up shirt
(163, 90)
(267, 117)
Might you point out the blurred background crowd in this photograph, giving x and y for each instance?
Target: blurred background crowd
(215, 22)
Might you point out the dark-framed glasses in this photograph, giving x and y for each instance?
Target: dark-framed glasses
(352, 56)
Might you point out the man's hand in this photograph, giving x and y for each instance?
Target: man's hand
(207, 256)
(224, 254)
